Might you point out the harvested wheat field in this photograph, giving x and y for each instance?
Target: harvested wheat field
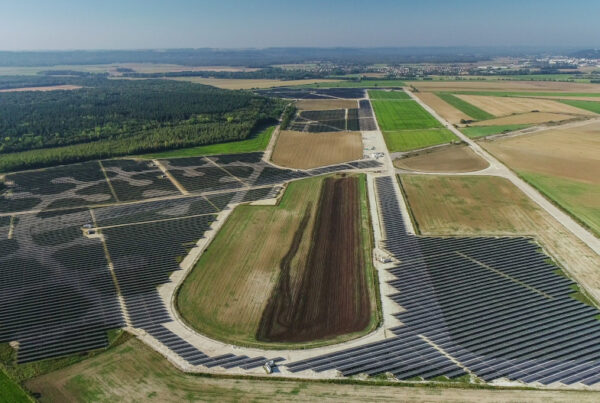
(526, 118)
(501, 85)
(325, 104)
(485, 205)
(309, 150)
(46, 88)
(444, 109)
(454, 158)
(327, 295)
(264, 254)
(501, 106)
(246, 84)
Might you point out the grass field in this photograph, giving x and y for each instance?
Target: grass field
(454, 158)
(502, 106)
(258, 142)
(407, 140)
(135, 373)
(309, 150)
(379, 94)
(227, 292)
(444, 109)
(482, 131)
(404, 115)
(580, 199)
(10, 391)
(465, 107)
(591, 106)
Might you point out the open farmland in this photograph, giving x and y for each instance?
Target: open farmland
(47, 88)
(483, 131)
(528, 118)
(592, 106)
(504, 85)
(454, 158)
(444, 109)
(407, 140)
(227, 293)
(250, 83)
(501, 106)
(562, 163)
(380, 94)
(310, 150)
(471, 110)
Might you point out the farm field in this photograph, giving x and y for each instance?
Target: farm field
(592, 106)
(10, 391)
(309, 150)
(482, 131)
(257, 142)
(407, 140)
(228, 304)
(482, 205)
(325, 104)
(355, 84)
(402, 115)
(454, 158)
(380, 94)
(47, 88)
(513, 86)
(246, 84)
(501, 106)
(569, 155)
(444, 109)
(525, 119)
(141, 374)
(468, 108)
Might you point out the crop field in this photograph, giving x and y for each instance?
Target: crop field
(117, 373)
(251, 278)
(592, 106)
(562, 163)
(483, 131)
(505, 86)
(310, 150)
(325, 104)
(454, 158)
(501, 106)
(467, 108)
(402, 115)
(47, 88)
(407, 140)
(378, 94)
(528, 118)
(444, 109)
(251, 83)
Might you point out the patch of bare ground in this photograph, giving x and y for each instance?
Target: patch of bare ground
(500, 106)
(325, 104)
(330, 295)
(444, 109)
(537, 86)
(571, 152)
(132, 372)
(526, 118)
(483, 205)
(309, 150)
(47, 88)
(454, 158)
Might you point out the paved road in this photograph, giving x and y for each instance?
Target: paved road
(499, 169)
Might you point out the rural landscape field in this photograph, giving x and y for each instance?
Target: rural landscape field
(209, 201)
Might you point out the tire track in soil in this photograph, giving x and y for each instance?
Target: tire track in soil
(331, 297)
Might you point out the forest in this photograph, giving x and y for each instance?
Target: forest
(108, 118)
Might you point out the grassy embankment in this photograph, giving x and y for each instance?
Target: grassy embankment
(405, 124)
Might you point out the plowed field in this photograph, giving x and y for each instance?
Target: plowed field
(330, 296)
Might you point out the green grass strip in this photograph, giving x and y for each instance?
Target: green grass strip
(406, 140)
(258, 142)
(482, 131)
(465, 107)
(592, 106)
(10, 391)
(406, 115)
(379, 94)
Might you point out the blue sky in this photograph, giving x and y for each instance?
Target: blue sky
(111, 24)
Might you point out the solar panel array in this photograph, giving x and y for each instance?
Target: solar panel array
(313, 93)
(57, 292)
(495, 305)
(365, 116)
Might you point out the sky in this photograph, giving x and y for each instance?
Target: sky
(137, 24)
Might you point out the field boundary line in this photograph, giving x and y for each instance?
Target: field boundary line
(111, 269)
(112, 189)
(542, 293)
(174, 181)
(11, 227)
(155, 221)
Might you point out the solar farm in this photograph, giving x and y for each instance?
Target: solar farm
(120, 244)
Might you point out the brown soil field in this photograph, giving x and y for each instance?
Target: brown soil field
(571, 153)
(330, 297)
(444, 109)
(454, 158)
(500, 106)
(325, 104)
(246, 84)
(525, 118)
(538, 86)
(133, 372)
(309, 150)
(484, 205)
(48, 88)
